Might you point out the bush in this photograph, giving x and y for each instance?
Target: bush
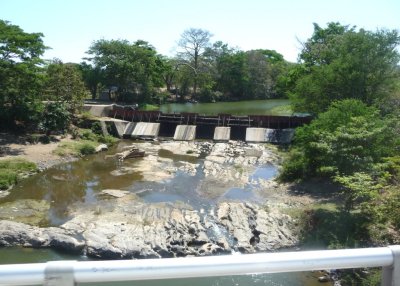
(7, 179)
(86, 149)
(56, 117)
(349, 137)
(87, 134)
(107, 139)
(96, 128)
(11, 169)
(294, 167)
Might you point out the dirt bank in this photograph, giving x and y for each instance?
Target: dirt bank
(12, 146)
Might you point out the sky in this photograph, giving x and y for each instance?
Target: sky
(71, 26)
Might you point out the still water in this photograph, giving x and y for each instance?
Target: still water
(81, 182)
(251, 107)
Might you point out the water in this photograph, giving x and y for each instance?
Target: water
(81, 182)
(18, 255)
(253, 107)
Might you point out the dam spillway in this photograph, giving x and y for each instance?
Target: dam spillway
(221, 127)
(185, 133)
(222, 133)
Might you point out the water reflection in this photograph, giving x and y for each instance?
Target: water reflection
(81, 182)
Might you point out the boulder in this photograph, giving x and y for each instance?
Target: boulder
(101, 147)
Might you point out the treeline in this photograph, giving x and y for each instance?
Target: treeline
(350, 79)
(122, 71)
(200, 70)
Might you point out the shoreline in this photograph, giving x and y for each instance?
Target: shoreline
(13, 146)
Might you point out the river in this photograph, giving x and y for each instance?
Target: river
(79, 185)
(251, 107)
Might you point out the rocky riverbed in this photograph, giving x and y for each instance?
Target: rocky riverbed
(120, 223)
(127, 229)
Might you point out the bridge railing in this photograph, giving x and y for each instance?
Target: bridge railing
(68, 273)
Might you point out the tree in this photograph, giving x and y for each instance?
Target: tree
(92, 77)
(64, 83)
(344, 63)
(193, 43)
(56, 117)
(349, 137)
(135, 69)
(20, 77)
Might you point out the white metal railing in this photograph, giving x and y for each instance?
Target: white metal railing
(67, 273)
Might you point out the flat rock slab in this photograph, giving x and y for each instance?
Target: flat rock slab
(115, 193)
(130, 229)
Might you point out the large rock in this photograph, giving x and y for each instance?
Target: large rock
(256, 229)
(15, 233)
(136, 230)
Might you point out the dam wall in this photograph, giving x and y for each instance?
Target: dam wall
(221, 127)
(185, 133)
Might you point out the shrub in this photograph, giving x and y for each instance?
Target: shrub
(86, 149)
(7, 179)
(106, 139)
(11, 169)
(96, 128)
(87, 134)
(56, 117)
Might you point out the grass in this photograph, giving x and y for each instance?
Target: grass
(86, 145)
(12, 170)
(76, 148)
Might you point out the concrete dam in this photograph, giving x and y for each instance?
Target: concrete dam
(191, 126)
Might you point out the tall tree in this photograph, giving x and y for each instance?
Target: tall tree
(135, 69)
(20, 79)
(193, 43)
(64, 83)
(92, 77)
(345, 63)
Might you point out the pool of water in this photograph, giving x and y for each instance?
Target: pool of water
(81, 182)
(251, 107)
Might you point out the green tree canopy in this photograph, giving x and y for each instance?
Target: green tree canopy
(349, 137)
(135, 69)
(342, 62)
(64, 83)
(20, 79)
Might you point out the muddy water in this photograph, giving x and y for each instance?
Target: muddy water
(80, 183)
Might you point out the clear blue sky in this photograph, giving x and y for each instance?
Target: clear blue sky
(70, 26)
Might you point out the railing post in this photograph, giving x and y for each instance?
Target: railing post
(391, 274)
(59, 273)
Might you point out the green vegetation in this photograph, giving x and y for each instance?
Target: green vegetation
(86, 142)
(350, 80)
(12, 170)
(339, 62)
(76, 148)
(56, 117)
